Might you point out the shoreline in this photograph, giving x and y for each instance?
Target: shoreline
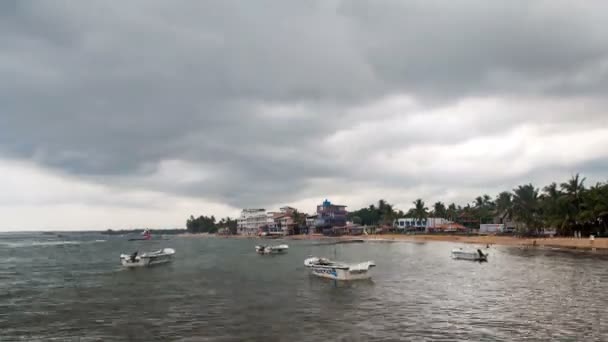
(556, 242)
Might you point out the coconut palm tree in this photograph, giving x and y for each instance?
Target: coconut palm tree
(483, 208)
(439, 210)
(504, 205)
(574, 188)
(573, 191)
(526, 207)
(595, 206)
(554, 208)
(419, 211)
(452, 212)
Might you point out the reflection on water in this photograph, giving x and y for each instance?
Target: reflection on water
(220, 290)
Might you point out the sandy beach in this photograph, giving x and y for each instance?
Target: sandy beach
(558, 242)
(567, 243)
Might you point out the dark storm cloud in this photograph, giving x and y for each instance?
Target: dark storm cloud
(108, 90)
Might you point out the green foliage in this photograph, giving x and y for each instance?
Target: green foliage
(204, 224)
(373, 215)
(484, 209)
(526, 208)
(298, 218)
(566, 208)
(439, 210)
(228, 223)
(419, 211)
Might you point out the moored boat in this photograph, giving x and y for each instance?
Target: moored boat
(474, 255)
(325, 268)
(279, 249)
(147, 259)
(146, 235)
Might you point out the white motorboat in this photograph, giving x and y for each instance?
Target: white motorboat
(147, 259)
(279, 249)
(474, 255)
(336, 270)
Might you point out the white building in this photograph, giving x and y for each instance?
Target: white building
(410, 223)
(491, 228)
(251, 220)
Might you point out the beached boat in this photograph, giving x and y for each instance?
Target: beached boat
(336, 270)
(474, 255)
(147, 259)
(279, 249)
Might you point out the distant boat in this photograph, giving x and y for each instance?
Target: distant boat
(473, 255)
(325, 268)
(146, 235)
(161, 256)
(279, 249)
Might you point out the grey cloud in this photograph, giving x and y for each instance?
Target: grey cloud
(106, 90)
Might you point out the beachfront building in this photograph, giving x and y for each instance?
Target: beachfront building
(508, 224)
(330, 215)
(416, 224)
(281, 222)
(251, 220)
(272, 227)
(311, 221)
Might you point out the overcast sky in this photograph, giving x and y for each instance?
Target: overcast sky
(118, 114)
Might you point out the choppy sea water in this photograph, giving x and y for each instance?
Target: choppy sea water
(72, 287)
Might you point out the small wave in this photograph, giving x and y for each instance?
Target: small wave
(46, 243)
(38, 243)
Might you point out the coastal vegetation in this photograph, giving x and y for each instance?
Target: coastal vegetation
(209, 224)
(566, 208)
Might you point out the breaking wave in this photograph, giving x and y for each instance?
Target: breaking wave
(21, 244)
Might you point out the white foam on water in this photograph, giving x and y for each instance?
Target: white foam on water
(45, 243)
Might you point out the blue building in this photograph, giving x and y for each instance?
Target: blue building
(330, 215)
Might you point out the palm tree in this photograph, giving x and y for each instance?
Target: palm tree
(386, 212)
(504, 205)
(595, 206)
(483, 208)
(439, 210)
(419, 211)
(452, 212)
(526, 207)
(574, 187)
(574, 190)
(554, 207)
(298, 217)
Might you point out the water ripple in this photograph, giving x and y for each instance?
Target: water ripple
(219, 290)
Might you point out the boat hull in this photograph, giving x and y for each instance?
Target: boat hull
(281, 249)
(148, 259)
(324, 268)
(338, 273)
(469, 255)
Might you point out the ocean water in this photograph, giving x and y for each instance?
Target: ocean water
(72, 288)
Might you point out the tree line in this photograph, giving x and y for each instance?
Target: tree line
(209, 224)
(566, 207)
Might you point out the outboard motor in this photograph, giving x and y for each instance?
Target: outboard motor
(133, 256)
(481, 255)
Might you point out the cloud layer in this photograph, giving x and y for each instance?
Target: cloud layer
(227, 104)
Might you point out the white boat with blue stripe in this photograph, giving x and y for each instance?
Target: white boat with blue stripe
(325, 268)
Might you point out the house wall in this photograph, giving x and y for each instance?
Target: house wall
(330, 215)
(414, 223)
(251, 220)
